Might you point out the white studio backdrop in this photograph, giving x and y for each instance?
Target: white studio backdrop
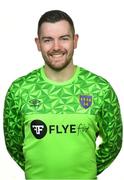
(100, 25)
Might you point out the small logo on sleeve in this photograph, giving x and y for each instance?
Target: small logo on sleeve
(86, 101)
(38, 128)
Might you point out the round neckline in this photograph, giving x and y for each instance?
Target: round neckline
(60, 83)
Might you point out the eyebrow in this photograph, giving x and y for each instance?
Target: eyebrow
(49, 37)
(46, 37)
(66, 35)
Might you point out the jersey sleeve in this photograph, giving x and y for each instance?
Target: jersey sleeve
(13, 127)
(110, 131)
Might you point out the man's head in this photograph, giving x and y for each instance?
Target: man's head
(56, 39)
(53, 17)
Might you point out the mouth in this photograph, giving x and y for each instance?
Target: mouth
(57, 55)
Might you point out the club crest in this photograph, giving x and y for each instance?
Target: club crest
(86, 101)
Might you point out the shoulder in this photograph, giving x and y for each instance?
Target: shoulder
(88, 75)
(25, 80)
(93, 80)
(97, 85)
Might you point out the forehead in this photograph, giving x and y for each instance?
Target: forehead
(58, 28)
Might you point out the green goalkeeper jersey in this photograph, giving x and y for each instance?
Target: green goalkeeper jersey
(51, 128)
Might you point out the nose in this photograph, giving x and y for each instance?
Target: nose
(56, 45)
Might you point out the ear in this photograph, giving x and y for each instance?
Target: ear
(37, 41)
(76, 37)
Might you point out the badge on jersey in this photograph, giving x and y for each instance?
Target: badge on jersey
(86, 101)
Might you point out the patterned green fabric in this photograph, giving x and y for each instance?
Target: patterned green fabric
(85, 94)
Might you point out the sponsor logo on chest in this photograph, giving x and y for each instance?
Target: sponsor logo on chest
(39, 129)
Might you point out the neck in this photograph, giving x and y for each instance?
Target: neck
(60, 76)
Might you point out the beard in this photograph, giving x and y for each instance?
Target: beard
(52, 63)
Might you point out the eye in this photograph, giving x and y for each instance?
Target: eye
(46, 40)
(65, 38)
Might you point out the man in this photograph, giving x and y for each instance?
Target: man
(54, 114)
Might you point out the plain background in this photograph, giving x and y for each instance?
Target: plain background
(100, 25)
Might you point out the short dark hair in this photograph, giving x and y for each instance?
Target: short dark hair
(55, 16)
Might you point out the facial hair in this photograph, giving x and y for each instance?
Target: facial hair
(62, 65)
